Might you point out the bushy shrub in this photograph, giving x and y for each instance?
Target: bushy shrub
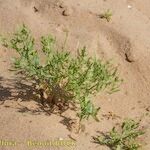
(65, 79)
(124, 139)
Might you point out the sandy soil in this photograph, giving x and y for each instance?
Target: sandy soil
(125, 39)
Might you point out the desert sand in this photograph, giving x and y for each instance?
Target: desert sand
(125, 40)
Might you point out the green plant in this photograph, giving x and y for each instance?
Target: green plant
(124, 139)
(106, 15)
(62, 78)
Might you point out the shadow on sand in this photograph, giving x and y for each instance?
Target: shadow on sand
(19, 91)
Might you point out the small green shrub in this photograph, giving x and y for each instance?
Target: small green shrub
(64, 79)
(124, 139)
(106, 15)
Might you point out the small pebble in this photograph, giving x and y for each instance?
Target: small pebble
(35, 9)
(19, 100)
(129, 6)
(67, 12)
(62, 5)
(148, 108)
(60, 139)
(129, 57)
(109, 99)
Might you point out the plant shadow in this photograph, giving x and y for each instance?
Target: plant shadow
(5, 92)
(25, 95)
(67, 121)
(20, 91)
(98, 139)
